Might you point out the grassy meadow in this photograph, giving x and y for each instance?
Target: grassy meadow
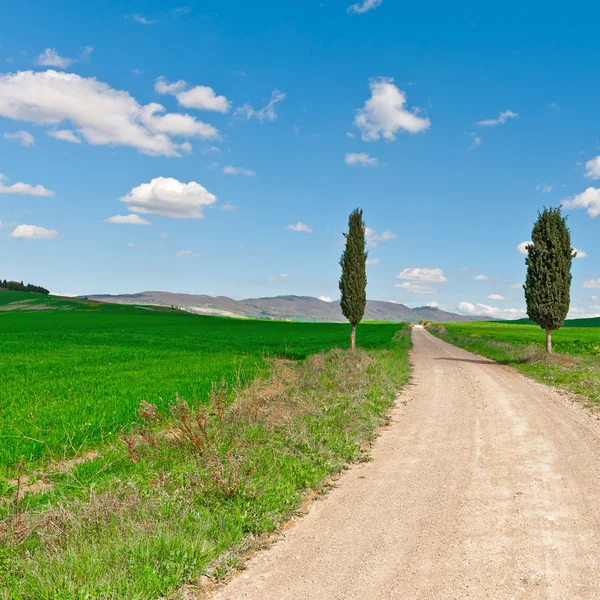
(142, 449)
(574, 366)
(75, 373)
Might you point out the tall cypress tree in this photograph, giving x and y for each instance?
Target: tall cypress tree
(353, 282)
(548, 283)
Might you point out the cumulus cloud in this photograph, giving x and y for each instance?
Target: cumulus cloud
(23, 138)
(592, 168)
(325, 299)
(580, 253)
(65, 135)
(50, 58)
(502, 118)
(480, 277)
(374, 239)
(141, 19)
(496, 297)
(229, 170)
(23, 189)
(373, 261)
(299, 226)
(358, 8)
(515, 286)
(543, 188)
(591, 284)
(415, 288)
(99, 113)
(186, 254)
(423, 274)
(32, 232)
(127, 220)
(200, 97)
(484, 310)
(435, 305)
(522, 247)
(361, 159)
(267, 113)
(169, 197)
(590, 200)
(385, 113)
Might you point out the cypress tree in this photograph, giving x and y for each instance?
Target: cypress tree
(353, 282)
(548, 284)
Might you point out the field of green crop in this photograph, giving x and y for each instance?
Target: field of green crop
(75, 373)
(567, 340)
(574, 366)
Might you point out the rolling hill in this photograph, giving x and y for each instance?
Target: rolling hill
(296, 308)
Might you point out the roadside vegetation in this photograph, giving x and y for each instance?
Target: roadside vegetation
(192, 480)
(575, 366)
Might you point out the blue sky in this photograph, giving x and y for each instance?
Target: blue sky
(450, 126)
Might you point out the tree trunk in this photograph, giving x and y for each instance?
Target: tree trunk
(549, 341)
(353, 338)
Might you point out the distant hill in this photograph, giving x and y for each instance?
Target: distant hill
(296, 308)
(588, 322)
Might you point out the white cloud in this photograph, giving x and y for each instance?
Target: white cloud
(496, 297)
(591, 284)
(582, 313)
(358, 8)
(278, 278)
(299, 226)
(543, 188)
(515, 286)
(424, 274)
(580, 253)
(186, 254)
(590, 200)
(99, 113)
(522, 247)
(476, 141)
(31, 232)
(66, 135)
(229, 170)
(200, 97)
(362, 159)
(592, 168)
(480, 277)
(484, 310)
(384, 113)
(374, 239)
(267, 113)
(373, 261)
(23, 189)
(415, 288)
(325, 299)
(127, 220)
(23, 138)
(169, 197)
(435, 305)
(50, 58)
(502, 118)
(143, 20)
(129, 245)
(350, 135)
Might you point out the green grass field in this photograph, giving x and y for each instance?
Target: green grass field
(575, 365)
(187, 491)
(75, 373)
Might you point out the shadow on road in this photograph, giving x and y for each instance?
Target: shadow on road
(475, 361)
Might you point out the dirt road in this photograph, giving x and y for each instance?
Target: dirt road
(486, 485)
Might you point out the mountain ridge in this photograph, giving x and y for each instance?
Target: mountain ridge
(296, 308)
